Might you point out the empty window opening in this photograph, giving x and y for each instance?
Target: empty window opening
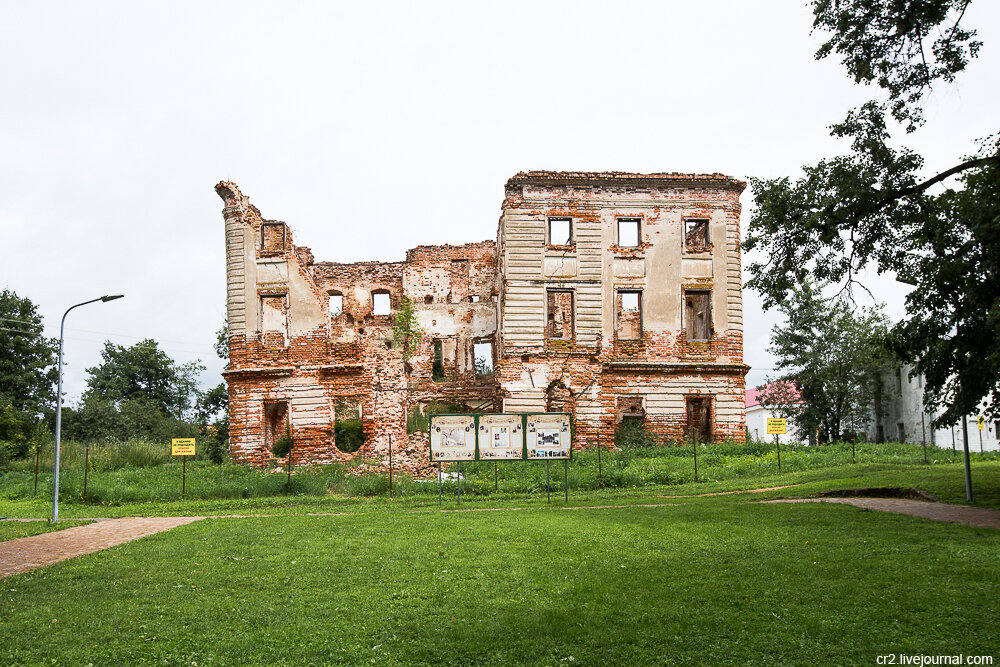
(428, 299)
(696, 235)
(274, 320)
(482, 358)
(899, 379)
(348, 433)
(437, 365)
(698, 314)
(275, 422)
(699, 418)
(336, 304)
(902, 431)
(560, 231)
(474, 298)
(272, 238)
(557, 398)
(560, 315)
(629, 315)
(381, 304)
(628, 406)
(628, 232)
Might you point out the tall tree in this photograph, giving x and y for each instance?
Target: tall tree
(143, 372)
(27, 359)
(835, 356)
(873, 207)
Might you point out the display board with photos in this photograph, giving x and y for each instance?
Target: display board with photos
(548, 436)
(501, 437)
(453, 438)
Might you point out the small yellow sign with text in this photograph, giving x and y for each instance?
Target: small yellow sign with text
(182, 446)
(776, 426)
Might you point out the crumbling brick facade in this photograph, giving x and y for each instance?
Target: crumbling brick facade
(613, 296)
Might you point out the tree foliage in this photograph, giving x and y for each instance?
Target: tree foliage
(137, 392)
(835, 356)
(873, 208)
(28, 373)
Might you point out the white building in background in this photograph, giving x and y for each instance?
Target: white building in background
(757, 416)
(904, 418)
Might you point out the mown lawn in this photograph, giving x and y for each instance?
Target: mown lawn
(946, 480)
(707, 581)
(10, 530)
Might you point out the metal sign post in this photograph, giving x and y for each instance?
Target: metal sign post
(980, 424)
(390, 465)
(777, 426)
(566, 478)
(440, 489)
(184, 447)
(459, 482)
(548, 489)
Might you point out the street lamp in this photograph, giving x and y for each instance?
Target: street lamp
(55, 467)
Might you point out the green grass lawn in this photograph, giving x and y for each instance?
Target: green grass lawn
(10, 530)
(127, 475)
(707, 581)
(946, 480)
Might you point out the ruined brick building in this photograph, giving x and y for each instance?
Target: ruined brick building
(614, 296)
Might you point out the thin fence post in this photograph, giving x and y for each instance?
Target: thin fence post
(390, 465)
(777, 443)
(694, 443)
(86, 469)
(854, 438)
(548, 489)
(38, 452)
(600, 471)
(496, 477)
(923, 435)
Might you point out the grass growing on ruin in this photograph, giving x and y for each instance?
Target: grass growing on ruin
(712, 581)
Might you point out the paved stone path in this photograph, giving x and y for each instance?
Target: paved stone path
(979, 517)
(28, 553)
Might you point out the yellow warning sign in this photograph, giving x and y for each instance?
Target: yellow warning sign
(776, 426)
(182, 446)
(981, 423)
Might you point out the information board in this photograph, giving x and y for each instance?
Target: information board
(501, 438)
(453, 438)
(548, 436)
(776, 426)
(182, 446)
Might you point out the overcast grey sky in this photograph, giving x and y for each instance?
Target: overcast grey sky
(374, 127)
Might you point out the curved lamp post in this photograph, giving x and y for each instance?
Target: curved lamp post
(55, 466)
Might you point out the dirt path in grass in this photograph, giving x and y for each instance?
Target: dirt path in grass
(27, 553)
(979, 517)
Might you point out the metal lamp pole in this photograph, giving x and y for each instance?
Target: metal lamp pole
(55, 465)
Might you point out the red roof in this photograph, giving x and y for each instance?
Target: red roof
(753, 395)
